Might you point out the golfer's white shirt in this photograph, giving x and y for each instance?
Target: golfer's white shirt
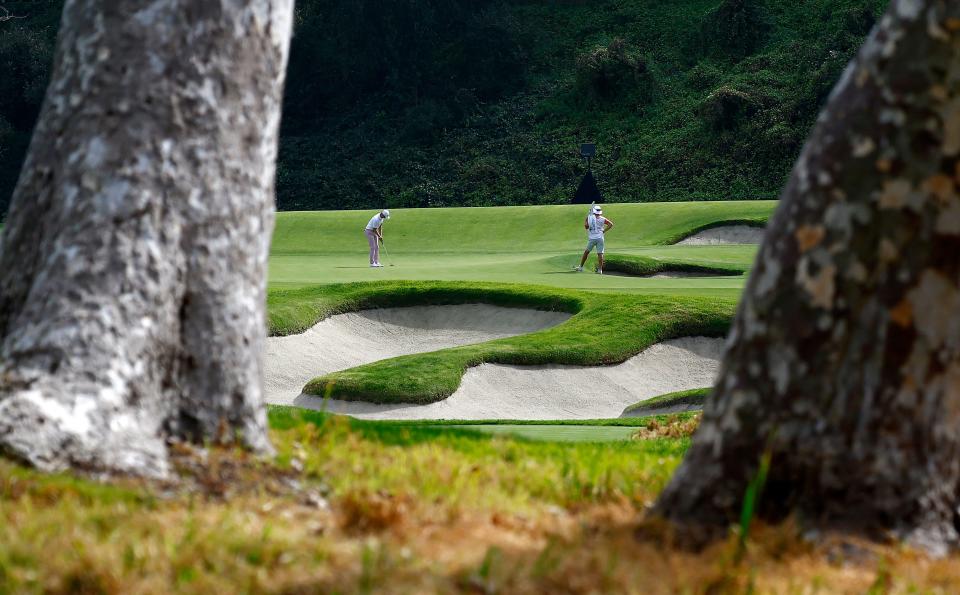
(595, 225)
(375, 222)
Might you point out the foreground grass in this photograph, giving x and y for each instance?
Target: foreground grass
(306, 519)
(359, 507)
(628, 325)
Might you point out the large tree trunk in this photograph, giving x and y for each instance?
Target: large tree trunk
(844, 359)
(133, 260)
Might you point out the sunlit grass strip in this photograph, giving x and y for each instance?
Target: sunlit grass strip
(554, 433)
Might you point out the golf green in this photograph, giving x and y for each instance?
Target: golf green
(553, 433)
(538, 245)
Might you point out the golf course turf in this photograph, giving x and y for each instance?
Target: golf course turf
(530, 245)
(514, 257)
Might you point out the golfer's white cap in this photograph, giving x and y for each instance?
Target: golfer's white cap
(385, 213)
(597, 210)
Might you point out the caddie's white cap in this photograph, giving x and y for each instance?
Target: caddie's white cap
(597, 210)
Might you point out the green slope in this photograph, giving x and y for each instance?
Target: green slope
(537, 244)
(536, 229)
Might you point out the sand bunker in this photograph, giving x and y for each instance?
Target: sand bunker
(495, 391)
(347, 340)
(725, 234)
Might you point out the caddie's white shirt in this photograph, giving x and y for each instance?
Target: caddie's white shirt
(375, 222)
(595, 225)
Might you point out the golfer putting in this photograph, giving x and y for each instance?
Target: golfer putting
(374, 233)
(596, 225)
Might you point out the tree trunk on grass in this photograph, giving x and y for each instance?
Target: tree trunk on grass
(132, 272)
(844, 359)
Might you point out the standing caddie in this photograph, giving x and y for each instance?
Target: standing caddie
(596, 225)
(374, 233)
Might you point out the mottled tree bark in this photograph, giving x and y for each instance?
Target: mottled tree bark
(132, 272)
(844, 359)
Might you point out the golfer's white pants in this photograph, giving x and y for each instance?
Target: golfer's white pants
(374, 245)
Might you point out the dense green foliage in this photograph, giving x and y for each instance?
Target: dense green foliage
(484, 102)
(687, 100)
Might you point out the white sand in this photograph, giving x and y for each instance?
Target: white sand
(348, 340)
(685, 275)
(495, 391)
(726, 234)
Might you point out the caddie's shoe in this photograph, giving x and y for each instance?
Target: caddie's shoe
(578, 269)
(376, 265)
(599, 271)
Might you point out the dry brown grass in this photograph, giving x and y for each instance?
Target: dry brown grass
(234, 523)
(669, 427)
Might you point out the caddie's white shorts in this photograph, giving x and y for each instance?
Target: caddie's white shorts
(598, 242)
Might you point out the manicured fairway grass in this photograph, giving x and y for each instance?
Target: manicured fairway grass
(505, 230)
(555, 433)
(538, 245)
(564, 430)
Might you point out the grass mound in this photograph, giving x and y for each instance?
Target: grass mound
(692, 399)
(630, 324)
(644, 266)
(292, 311)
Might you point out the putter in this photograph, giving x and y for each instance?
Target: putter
(383, 246)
